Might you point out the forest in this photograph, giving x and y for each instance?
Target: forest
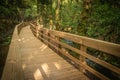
(99, 19)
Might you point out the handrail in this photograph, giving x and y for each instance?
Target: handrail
(110, 48)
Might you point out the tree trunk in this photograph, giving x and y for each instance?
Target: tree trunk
(57, 15)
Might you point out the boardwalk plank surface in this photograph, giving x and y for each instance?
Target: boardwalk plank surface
(38, 62)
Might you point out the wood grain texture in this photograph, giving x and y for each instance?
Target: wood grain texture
(12, 69)
(109, 48)
(83, 53)
(104, 46)
(31, 59)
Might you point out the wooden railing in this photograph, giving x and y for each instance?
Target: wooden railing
(52, 37)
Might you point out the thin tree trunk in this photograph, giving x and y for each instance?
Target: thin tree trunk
(57, 14)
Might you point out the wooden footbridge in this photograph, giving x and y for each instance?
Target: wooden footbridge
(45, 57)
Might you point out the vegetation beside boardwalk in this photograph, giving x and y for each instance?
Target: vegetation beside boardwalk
(99, 19)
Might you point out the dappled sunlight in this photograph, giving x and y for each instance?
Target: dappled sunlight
(38, 75)
(46, 69)
(19, 40)
(57, 65)
(43, 47)
(23, 40)
(24, 66)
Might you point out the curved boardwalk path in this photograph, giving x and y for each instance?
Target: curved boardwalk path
(36, 61)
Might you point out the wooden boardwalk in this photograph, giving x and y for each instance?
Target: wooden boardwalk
(30, 59)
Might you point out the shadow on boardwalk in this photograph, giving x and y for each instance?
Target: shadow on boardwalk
(30, 59)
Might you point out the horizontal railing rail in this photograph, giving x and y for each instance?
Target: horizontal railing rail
(53, 36)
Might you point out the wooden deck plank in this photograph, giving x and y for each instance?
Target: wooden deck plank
(12, 69)
(37, 61)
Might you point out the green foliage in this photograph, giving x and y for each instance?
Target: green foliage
(45, 2)
(104, 21)
(11, 12)
(93, 31)
(70, 15)
(31, 13)
(100, 21)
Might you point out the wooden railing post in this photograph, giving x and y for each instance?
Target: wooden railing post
(82, 58)
(37, 31)
(41, 32)
(48, 35)
(54, 42)
(58, 39)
